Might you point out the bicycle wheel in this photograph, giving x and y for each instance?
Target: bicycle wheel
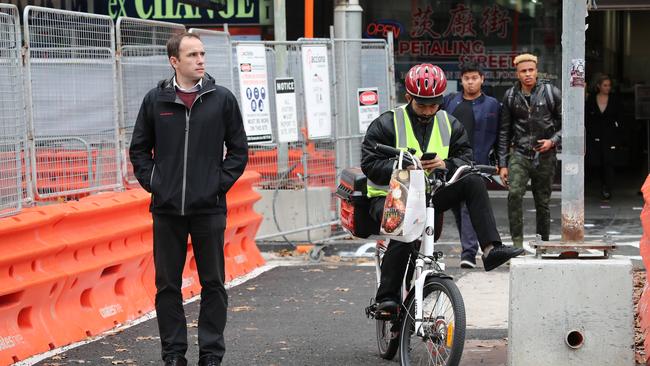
(387, 340)
(441, 338)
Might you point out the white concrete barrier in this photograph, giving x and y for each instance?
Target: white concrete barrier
(571, 312)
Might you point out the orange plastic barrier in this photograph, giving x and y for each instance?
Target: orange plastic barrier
(320, 165)
(644, 247)
(76, 269)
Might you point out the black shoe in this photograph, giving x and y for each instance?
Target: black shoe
(175, 360)
(210, 361)
(499, 255)
(386, 309)
(468, 262)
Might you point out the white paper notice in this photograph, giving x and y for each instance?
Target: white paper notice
(285, 109)
(317, 91)
(253, 86)
(368, 105)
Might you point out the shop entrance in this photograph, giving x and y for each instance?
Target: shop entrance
(616, 44)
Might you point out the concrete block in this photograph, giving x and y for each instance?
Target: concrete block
(291, 212)
(570, 312)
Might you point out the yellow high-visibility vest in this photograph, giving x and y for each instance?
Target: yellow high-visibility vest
(405, 138)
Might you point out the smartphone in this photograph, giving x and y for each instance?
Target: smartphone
(428, 156)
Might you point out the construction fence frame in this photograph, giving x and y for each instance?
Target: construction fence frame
(314, 165)
(85, 79)
(141, 63)
(12, 112)
(72, 94)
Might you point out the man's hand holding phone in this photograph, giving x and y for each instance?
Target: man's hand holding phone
(430, 161)
(543, 145)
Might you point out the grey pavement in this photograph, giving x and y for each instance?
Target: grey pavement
(303, 313)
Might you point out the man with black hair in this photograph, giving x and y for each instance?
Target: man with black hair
(479, 114)
(177, 152)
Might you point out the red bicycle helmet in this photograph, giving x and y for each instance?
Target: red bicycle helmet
(426, 83)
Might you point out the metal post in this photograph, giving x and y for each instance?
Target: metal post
(347, 28)
(573, 133)
(280, 31)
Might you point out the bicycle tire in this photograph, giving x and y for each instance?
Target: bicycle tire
(435, 341)
(386, 343)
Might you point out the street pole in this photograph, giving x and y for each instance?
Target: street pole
(347, 49)
(573, 132)
(280, 34)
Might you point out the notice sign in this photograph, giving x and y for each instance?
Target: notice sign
(285, 109)
(368, 105)
(253, 86)
(315, 69)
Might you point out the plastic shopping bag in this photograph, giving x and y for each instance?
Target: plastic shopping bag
(405, 207)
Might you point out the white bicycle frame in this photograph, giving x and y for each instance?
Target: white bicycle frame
(427, 248)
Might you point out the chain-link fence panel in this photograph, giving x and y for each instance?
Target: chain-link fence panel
(218, 56)
(298, 174)
(142, 63)
(70, 63)
(362, 64)
(12, 117)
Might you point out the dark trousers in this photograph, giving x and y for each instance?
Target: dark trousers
(170, 235)
(470, 189)
(468, 238)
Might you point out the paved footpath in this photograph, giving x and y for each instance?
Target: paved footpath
(298, 313)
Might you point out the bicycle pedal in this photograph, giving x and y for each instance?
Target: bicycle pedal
(370, 311)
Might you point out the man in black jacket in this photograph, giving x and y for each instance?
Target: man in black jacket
(422, 126)
(530, 131)
(177, 155)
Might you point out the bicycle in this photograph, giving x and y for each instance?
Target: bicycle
(429, 327)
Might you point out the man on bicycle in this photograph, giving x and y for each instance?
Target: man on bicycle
(422, 126)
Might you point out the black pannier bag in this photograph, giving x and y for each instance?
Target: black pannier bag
(355, 204)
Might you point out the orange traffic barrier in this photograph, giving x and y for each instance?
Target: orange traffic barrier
(76, 269)
(320, 165)
(644, 248)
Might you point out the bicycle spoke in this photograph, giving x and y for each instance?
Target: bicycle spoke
(432, 344)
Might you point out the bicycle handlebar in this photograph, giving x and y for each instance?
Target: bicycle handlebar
(481, 169)
(389, 150)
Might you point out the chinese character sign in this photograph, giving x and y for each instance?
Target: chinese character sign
(495, 20)
(461, 23)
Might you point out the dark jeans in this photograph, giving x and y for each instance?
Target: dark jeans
(468, 238)
(170, 234)
(470, 189)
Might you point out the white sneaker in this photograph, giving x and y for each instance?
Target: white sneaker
(466, 263)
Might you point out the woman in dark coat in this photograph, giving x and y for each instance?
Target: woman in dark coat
(603, 124)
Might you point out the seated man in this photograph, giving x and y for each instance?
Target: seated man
(422, 126)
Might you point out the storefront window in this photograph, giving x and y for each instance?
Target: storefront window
(451, 32)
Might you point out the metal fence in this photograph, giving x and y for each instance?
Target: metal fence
(12, 117)
(142, 63)
(70, 65)
(218, 58)
(86, 80)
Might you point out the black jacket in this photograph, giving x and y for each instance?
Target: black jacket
(522, 124)
(378, 168)
(603, 129)
(178, 153)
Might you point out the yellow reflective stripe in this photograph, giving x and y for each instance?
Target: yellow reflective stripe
(399, 116)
